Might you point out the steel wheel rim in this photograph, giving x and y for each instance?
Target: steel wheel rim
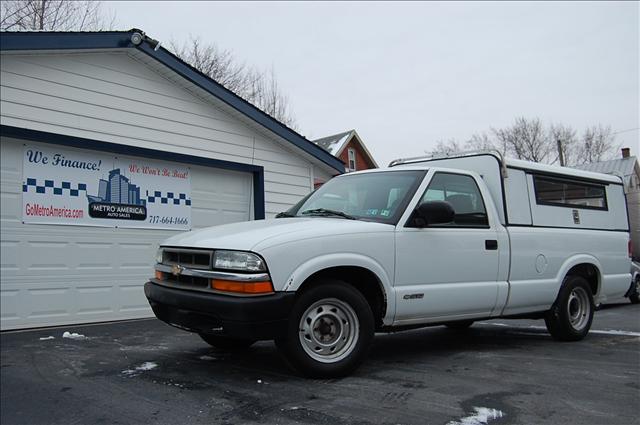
(328, 330)
(578, 308)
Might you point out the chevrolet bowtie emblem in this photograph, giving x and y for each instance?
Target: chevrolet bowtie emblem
(176, 269)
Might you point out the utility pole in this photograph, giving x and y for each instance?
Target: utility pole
(560, 153)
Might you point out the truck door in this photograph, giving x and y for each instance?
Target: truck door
(448, 271)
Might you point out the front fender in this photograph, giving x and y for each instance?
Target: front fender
(314, 265)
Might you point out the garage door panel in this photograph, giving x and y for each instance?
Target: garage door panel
(91, 300)
(206, 218)
(65, 274)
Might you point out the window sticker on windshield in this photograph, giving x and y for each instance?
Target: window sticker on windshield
(385, 213)
(372, 211)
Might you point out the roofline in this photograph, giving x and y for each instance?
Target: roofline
(332, 136)
(364, 148)
(44, 40)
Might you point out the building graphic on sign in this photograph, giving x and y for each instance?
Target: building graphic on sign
(117, 189)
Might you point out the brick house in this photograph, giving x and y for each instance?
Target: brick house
(348, 147)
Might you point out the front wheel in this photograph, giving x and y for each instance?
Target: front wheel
(330, 329)
(459, 325)
(226, 343)
(571, 315)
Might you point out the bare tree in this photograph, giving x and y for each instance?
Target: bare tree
(448, 147)
(451, 146)
(566, 144)
(597, 144)
(53, 15)
(483, 142)
(530, 140)
(525, 139)
(255, 86)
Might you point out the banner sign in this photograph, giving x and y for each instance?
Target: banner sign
(64, 186)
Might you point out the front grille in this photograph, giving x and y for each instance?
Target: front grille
(187, 281)
(189, 258)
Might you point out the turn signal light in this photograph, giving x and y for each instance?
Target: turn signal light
(264, 287)
(159, 275)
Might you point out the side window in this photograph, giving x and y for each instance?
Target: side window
(463, 194)
(569, 193)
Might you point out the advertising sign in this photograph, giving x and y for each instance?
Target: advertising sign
(65, 186)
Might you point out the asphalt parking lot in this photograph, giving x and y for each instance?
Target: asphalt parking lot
(499, 372)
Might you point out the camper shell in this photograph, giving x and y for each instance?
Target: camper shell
(538, 195)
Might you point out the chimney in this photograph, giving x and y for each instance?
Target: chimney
(625, 152)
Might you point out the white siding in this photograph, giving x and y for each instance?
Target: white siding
(116, 98)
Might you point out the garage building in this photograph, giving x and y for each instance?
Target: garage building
(109, 144)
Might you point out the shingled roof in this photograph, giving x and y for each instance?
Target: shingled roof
(623, 167)
(334, 144)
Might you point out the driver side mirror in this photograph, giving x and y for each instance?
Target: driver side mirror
(433, 212)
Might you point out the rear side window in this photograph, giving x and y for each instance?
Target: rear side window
(462, 193)
(569, 193)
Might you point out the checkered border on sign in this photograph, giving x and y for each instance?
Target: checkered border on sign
(169, 198)
(49, 186)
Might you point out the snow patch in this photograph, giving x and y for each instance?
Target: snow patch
(614, 332)
(73, 335)
(592, 331)
(207, 358)
(482, 416)
(47, 338)
(144, 366)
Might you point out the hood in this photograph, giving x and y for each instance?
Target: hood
(247, 235)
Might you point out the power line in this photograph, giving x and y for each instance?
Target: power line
(627, 130)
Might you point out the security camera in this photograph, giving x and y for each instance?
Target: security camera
(136, 38)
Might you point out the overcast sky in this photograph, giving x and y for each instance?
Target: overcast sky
(406, 75)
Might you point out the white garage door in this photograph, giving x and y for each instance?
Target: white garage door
(54, 274)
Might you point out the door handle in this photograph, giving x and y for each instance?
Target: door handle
(491, 244)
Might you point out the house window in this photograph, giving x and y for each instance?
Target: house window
(352, 160)
(569, 193)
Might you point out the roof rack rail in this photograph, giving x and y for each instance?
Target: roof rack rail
(424, 158)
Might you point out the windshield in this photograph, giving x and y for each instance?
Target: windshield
(380, 196)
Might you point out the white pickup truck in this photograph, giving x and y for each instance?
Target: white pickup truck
(424, 242)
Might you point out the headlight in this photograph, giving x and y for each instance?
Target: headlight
(159, 256)
(238, 260)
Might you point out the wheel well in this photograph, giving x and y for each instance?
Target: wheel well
(364, 280)
(589, 272)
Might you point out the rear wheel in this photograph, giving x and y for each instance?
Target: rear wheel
(330, 329)
(571, 315)
(635, 295)
(226, 343)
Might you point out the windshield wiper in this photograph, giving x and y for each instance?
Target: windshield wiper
(325, 213)
(284, 214)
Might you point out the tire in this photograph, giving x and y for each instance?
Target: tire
(226, 343)
(571, 315)
(330, 330)
(459, 326)
(634, 297)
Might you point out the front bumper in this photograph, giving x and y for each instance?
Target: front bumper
(261, 318)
